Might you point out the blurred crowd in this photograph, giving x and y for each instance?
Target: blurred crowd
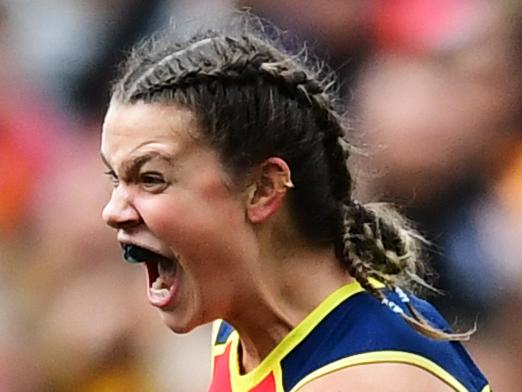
(433, 93)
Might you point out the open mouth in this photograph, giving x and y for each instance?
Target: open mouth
(161, 272)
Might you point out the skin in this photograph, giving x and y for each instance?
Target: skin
(239, 255)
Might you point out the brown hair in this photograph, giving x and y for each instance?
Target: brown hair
(254, 101)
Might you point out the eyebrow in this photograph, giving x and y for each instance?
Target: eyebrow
(132, 166)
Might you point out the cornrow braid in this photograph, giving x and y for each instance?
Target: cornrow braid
(226, 58)
(254, 101)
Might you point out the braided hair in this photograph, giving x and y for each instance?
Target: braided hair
(254, 101)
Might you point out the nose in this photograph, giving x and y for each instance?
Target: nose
(119, 212)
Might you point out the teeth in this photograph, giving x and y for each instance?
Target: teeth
(163, 293)
(158, 284)
(165, 279)
(158, 288)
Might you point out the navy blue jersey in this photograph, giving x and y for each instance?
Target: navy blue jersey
(350, 327)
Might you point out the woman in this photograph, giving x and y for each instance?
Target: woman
(231, 186)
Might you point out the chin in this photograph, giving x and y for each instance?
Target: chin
(177, 324)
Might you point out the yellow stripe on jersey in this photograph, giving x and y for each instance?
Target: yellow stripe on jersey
(215, 330)
(213, 348)
(386, 357)
(278, 376)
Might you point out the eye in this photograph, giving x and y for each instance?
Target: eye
(112, 176)
(153, 181)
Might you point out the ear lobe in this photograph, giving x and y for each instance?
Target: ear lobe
(269, 189)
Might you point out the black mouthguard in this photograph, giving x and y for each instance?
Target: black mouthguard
(136, 254)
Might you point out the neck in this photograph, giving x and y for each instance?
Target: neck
(285, 291)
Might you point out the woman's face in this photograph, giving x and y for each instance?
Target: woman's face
(171, 196)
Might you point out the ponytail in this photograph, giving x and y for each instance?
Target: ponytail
(379, 244)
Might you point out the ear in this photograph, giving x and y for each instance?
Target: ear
(268, 190)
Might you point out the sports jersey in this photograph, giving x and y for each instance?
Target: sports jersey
(350, 327)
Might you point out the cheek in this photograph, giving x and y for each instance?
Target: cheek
(207, 217)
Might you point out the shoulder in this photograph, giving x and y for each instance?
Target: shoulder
(363, 341)
(378, 377)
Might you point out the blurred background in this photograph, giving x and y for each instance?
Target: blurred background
(433, 90)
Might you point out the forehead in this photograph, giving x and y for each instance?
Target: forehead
(131, 129)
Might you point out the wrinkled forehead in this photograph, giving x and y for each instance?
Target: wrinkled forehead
(131, 127)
